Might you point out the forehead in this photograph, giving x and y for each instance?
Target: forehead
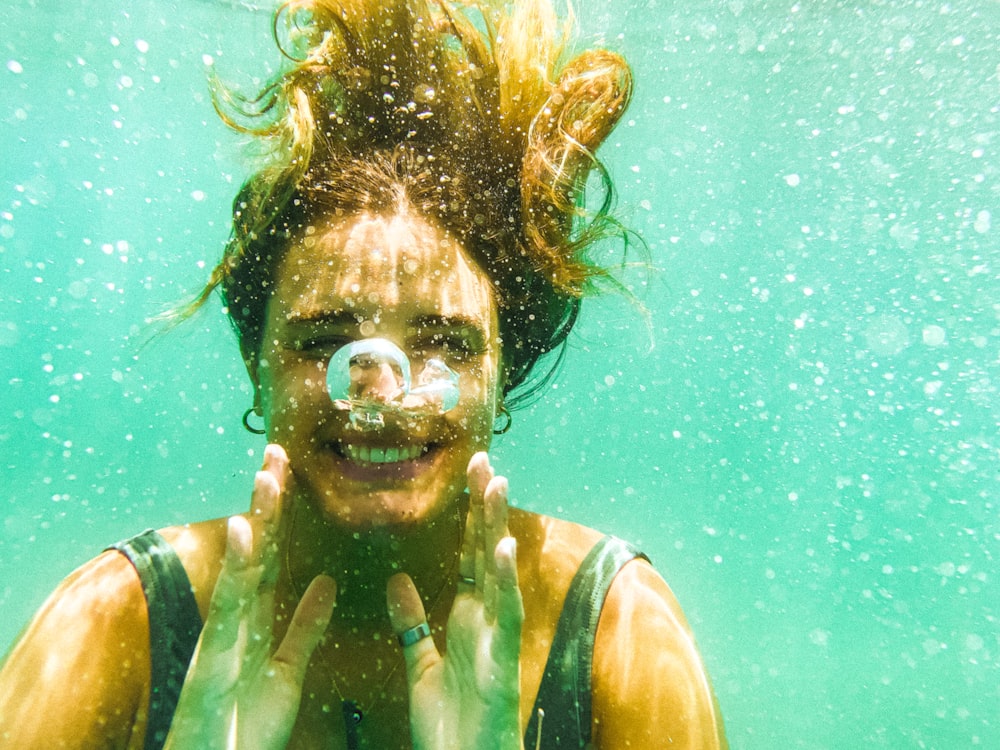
(373, 264)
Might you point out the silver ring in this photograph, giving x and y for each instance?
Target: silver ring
(414, 635)
(466, 580)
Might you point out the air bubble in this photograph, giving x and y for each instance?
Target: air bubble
(371, 379)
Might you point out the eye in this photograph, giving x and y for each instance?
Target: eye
(452, 345)
(319, 346)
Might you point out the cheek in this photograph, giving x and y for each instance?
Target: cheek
(313, 380)
(289, 384)
(479, 390)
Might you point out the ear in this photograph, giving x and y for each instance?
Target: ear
(252, 362)
(500, 393)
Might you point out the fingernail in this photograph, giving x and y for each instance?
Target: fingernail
(238, 539)
(267, 499)
(274, 454)
(505, 555)
(507, 547)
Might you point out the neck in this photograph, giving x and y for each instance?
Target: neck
(362, 561)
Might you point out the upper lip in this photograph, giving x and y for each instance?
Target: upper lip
(380, 441)
(374, 454)
(379, 444)
(420, 434)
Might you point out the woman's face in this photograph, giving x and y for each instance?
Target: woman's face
(394, 277)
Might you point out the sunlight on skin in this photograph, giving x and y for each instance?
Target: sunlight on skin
(363, 277)
(469, 698)
(107, 683)
(362, 524)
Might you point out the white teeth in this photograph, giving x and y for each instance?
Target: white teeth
(364, 454)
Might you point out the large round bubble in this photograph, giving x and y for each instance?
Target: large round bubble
(371, 380)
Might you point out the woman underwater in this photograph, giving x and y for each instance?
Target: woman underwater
(419, 196)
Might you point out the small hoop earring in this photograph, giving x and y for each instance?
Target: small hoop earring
(246, 420)
(507, 423)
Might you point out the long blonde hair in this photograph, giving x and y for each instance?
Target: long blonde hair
(475, 111)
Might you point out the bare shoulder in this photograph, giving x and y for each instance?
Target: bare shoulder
(650, 686)
(201, 548)
(549, 550)
(78, 675)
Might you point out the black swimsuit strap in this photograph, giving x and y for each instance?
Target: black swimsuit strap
(565, 692)
(174, 626)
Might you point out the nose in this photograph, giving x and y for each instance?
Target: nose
(383, 386)
(371, 380)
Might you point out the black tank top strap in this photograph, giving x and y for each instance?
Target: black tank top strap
(565, 691)
(174, 625)
(564, 694)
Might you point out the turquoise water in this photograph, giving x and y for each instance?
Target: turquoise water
(808, 451)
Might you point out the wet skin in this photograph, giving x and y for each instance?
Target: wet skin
(398, 278)
(359, 509)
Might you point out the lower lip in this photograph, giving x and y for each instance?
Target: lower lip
(398, 471)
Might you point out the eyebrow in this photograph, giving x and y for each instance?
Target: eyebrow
(445, 321)
(345, 318)
(322, 317)
(470, 327)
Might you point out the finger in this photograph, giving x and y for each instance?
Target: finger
(406, 611)
(509, 603)
(495, 516)
(269, 488)
(262, 555)
(309, 623)
(234, 590)
(266, 513)
(467, 555)
(479, 475)
(495, 529)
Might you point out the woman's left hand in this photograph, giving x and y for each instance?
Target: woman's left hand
(469, 698)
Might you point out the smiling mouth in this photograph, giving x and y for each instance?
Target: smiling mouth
(373, 455)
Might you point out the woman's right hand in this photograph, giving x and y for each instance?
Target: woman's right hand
(239, 692)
